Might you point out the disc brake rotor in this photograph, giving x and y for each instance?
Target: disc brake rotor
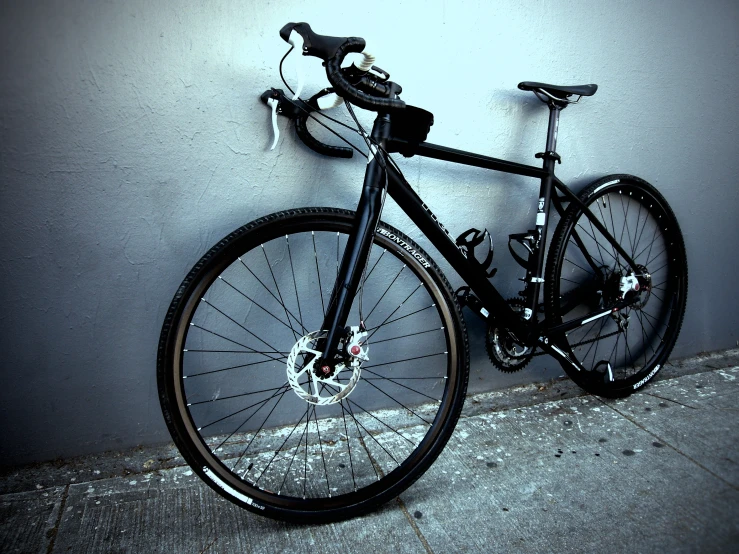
(323, 385)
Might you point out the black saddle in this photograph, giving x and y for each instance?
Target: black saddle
(561, 93)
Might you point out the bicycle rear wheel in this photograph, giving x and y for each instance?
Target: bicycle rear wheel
(624, 349)
(253, 415)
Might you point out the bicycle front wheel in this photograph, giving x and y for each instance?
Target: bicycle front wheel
(621, 349)
(252, 413)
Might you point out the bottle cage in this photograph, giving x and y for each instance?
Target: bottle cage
(469, 240)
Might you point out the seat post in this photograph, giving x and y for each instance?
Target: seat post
(554, 110)
(536, 259)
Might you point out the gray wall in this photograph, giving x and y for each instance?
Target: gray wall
(132, 139)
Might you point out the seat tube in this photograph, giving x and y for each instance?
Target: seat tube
(359, 242)
(534, 272)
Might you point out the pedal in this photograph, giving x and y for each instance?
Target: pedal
(472, 238)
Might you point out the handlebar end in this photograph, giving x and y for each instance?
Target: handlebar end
(320, 46)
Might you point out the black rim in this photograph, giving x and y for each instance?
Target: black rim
(263, 440)
(626, 346)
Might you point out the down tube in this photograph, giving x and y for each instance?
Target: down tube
(400, 191)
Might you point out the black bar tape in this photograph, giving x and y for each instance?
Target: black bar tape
(345, 88)
(317, 146)
(320, 46)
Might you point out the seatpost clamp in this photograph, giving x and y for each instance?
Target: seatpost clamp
(549, 155)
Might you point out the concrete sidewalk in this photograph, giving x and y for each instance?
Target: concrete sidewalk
(538, 468)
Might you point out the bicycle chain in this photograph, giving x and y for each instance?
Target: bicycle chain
(541, 352)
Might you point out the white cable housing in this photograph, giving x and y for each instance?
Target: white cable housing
(367, 62)
(329, 101)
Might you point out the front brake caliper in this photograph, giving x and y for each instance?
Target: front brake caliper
(354, 348)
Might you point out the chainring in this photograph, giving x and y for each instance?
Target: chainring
(505, 353)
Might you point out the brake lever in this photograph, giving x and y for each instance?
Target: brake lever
(273, 98)
(298, 111)
(296, 41)
(273, 103)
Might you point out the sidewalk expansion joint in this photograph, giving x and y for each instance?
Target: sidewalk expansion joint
(414, 526)
(207, 546)
(669, 400)
(55, 530)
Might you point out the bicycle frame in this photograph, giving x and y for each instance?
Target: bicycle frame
(381, 178)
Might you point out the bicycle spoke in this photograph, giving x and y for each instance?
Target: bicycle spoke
(280, 448)
(262, 402)
(637, 234)
(408, 335)
(393, 380)
(595, 341)
(273, 295)
(648, 319)
(615, 346)
(406, 360)
(238, 324)
(625, 227)
(613, 232)
(626, 344)
(295, 283)
(657, 255)
(598, 244)
(646, 341)
(209, 372)
(250, 351)
(393, 312)
(641, 233)
(399, 318)
(297, 446)
(361, 440)
(320, 446)
(644, 336)
(580, 267)
(258, 305)
(649, 247)
(657, 296)
(375, 264)
(320, 287)
(348, 444)
(378, 419)
(667, 262)
(399, 403)
(232, 396)
(605, 224)
(281, 396)
(370, 435)
(384, 293)
(277, 288)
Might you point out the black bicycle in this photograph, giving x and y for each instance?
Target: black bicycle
(314, 363)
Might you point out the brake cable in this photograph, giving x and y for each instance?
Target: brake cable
(312, 116)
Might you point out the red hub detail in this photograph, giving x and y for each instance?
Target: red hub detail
(355, 350)
(326, 370)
